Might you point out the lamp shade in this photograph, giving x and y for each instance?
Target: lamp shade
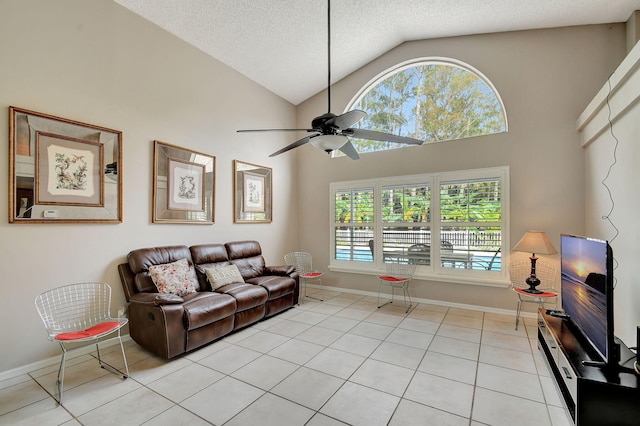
(535, 242)
(329, 143)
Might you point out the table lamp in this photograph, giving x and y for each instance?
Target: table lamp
(534, 242)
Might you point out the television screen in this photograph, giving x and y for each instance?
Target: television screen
(587, 288)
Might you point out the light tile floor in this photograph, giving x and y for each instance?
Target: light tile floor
(341, 361)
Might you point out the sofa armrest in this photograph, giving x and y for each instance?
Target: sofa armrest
(156, 299)
(281, 270)
(167, 299)
(158, 328)
(144, 298)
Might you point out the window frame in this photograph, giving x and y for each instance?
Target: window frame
(434, 271)
(438, 60)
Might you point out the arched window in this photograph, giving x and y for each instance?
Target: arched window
(431, 99)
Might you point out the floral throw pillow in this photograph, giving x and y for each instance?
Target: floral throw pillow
(173, 278)
(223, 275)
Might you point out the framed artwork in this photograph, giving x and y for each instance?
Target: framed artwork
(186, 185)
(183, 185)
(69, 171)
(63, 170)
(253, 193)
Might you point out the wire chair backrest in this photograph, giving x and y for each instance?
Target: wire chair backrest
(74, 307)
(302, 260)
(520, 270)
(400, 269)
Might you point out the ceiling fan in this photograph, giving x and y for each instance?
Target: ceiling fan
(332, 132)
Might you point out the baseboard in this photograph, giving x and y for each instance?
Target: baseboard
(430, 301)
(55, 360)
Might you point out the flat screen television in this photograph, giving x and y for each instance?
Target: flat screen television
(587, 292)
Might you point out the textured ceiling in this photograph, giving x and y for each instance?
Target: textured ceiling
(282, 44)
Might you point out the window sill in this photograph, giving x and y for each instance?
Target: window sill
(445, 278)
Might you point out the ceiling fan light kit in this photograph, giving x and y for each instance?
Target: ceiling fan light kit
(329, 143)
(332, 131)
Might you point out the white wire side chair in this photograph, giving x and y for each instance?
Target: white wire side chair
(519, 271)
(76, 316)
(304, 266)
(398, 276)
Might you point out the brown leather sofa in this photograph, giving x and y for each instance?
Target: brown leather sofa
(169, 325)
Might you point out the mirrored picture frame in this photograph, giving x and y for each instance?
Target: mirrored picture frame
(62, 170)
(253, 195)
(183, 185)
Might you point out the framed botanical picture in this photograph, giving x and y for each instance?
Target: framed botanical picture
(63, 170)
(183, 185)
(253, 193)
(186, 185)
(69, 171)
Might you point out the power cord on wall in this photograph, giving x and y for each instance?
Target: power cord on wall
(607, 217)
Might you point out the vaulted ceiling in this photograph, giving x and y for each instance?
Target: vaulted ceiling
(282, 44)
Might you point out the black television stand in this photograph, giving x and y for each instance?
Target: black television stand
(594, 393)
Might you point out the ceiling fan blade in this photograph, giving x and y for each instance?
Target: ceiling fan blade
(349, 150)
(347, 119)
(275, 130)
(296, 144)
(381, 136)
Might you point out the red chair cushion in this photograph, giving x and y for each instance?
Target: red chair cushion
(545, 294)
(311, 274)
(97, 329)
(390, 278)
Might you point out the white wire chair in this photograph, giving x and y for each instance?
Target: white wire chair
(304, 266)
(519, 271)
(76, 316)
(399, 275)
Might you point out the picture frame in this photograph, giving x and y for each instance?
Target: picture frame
(253, 195)
(183, 185)
(62, 170)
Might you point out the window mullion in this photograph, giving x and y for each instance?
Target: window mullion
(377, 225)
(436, 222)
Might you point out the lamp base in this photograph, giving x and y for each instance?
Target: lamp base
(533, 282)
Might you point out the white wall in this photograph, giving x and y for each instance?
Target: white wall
(96, 62)
(545, 78)
(614, 149)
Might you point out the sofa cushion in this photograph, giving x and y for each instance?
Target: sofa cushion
(247, 255)
(276, 286)
(208, 308)
(247, 295)
(173, 278)
(208, 256)
(141, 259)
(209, 253)
(222, 275)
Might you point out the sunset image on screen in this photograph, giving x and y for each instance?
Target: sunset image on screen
(584, 269)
